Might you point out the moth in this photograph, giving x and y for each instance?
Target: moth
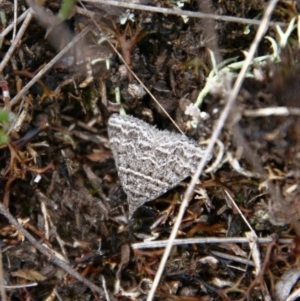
(149, 161)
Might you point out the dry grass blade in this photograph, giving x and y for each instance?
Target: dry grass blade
(11, 26)
(182, 13)
(16, 41)
(15, 18)
(2, 287)
(278, 111)
(204, 240)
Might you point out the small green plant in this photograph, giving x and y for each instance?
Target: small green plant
(65, 10)
(4, 120)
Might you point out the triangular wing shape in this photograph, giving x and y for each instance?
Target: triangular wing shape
(149, 161)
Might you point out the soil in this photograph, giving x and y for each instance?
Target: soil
(58, 176)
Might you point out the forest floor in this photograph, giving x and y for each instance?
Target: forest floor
(66, 231)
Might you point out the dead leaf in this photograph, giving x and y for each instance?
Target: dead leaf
(30, 275)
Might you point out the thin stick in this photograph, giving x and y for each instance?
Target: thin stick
(233, 258)
(15, 42)
(272, 111)
(62, 264)
(205, 240)
(15, 18)
(183, 13)
(2, 287)
(231, 99)
(17, 98)
(240, 212)
(13, 287)
(11, 26)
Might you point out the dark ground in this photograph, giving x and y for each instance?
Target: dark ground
(78, 208)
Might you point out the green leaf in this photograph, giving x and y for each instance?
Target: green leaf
(3, 116)
(66, 10)
(3, 137)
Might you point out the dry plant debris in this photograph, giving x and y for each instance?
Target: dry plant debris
(66, 67)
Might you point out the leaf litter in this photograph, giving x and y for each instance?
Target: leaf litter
(68, 214)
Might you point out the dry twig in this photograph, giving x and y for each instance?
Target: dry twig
(183, 13)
